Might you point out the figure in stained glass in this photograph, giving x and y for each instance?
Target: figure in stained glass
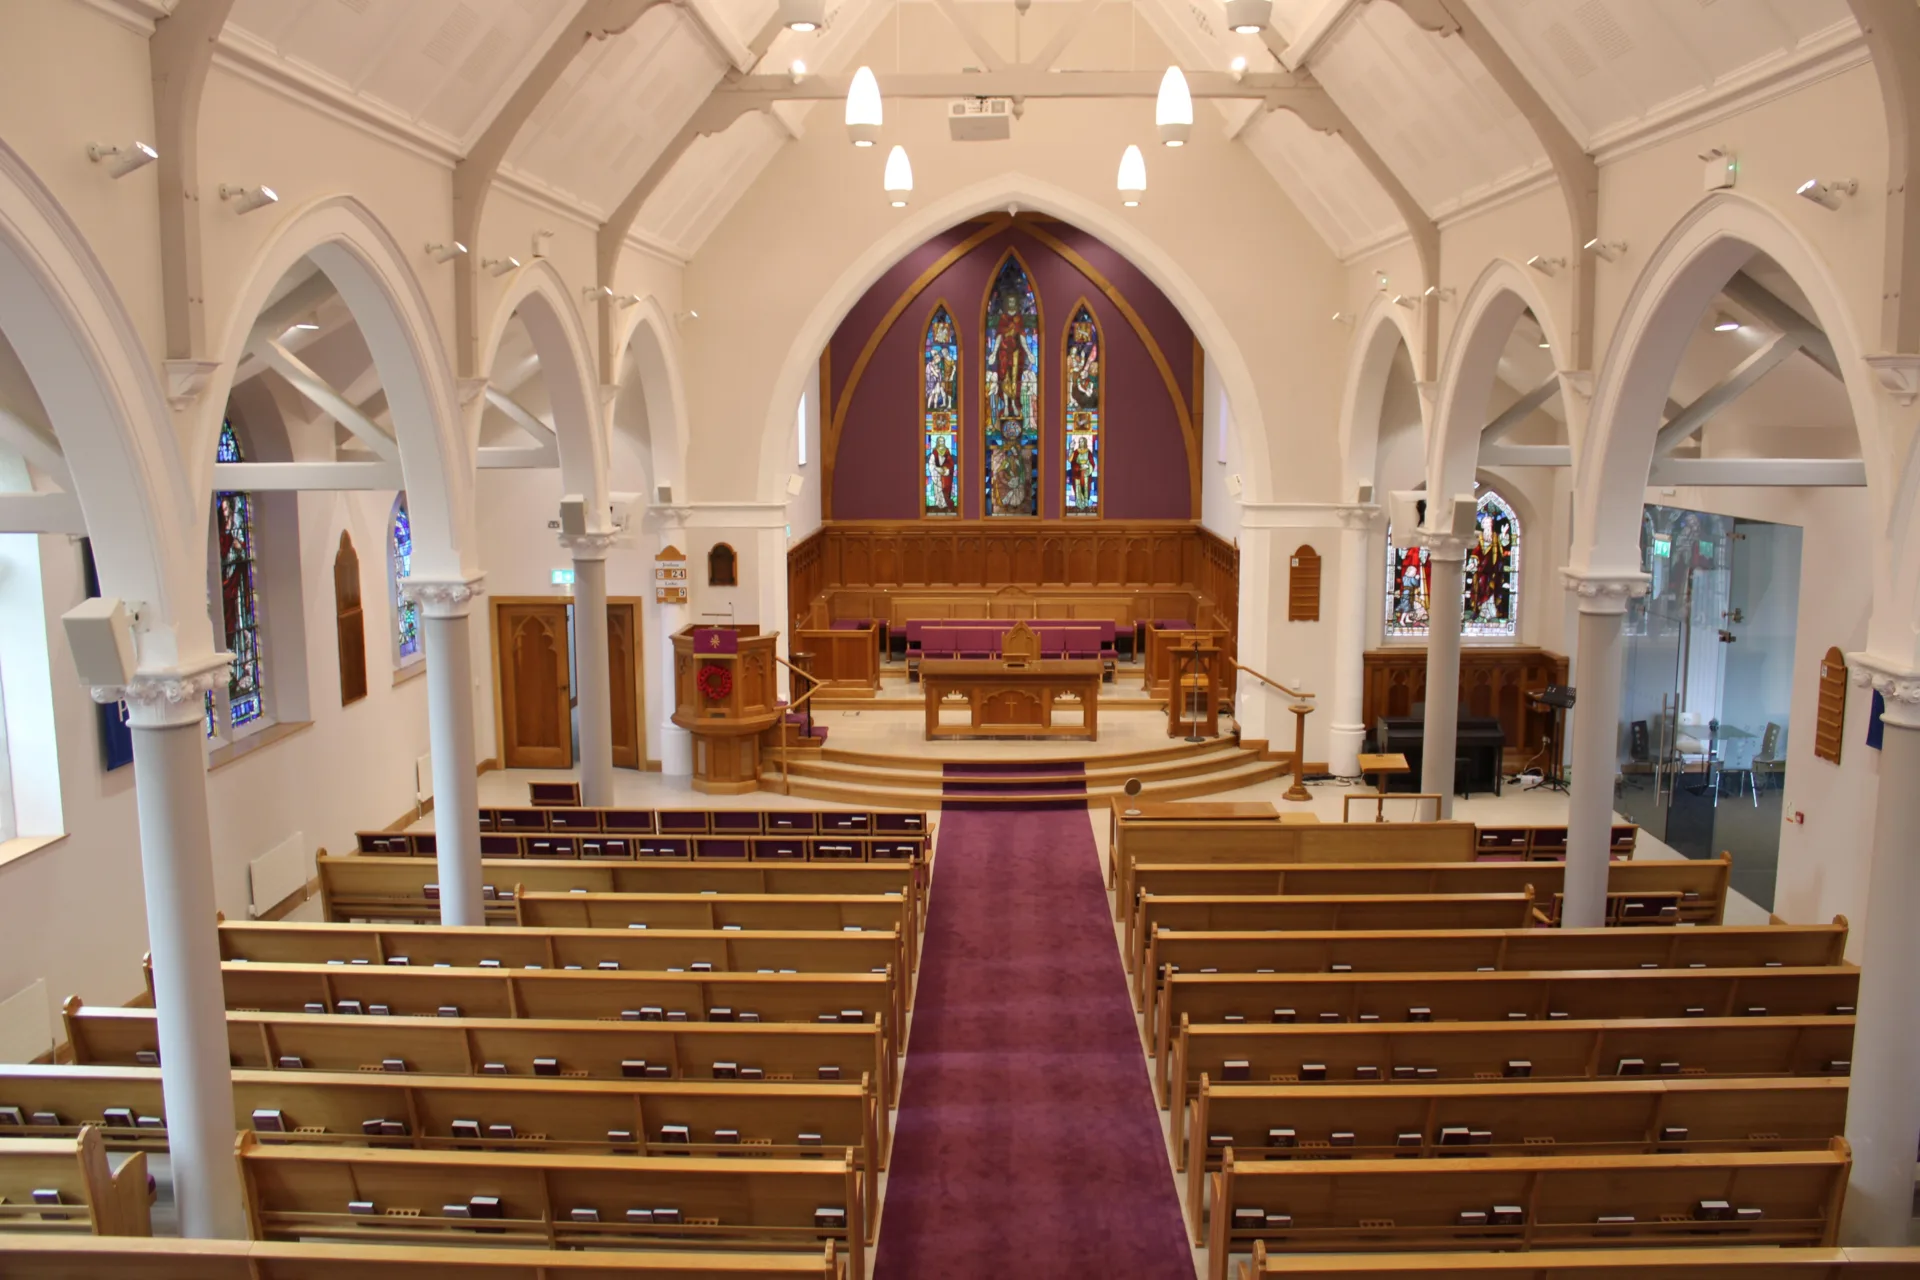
(1490, 587)
(940, 417)
(239, 597)
(1012, 402)
(1084, 414)
(406, 613)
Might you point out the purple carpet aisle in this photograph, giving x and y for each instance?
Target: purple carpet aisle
(1028, 1144)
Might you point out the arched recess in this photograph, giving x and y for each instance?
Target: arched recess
(541, 299)
(1379, 335)
(94, 378)
(1156, 263)
(650, 357)
(1690, 267)
(1497, 300)
(369, 270)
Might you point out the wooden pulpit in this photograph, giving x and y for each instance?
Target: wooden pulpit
(726, 694)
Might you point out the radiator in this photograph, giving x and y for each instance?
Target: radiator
(26, 1024)
(277, 874)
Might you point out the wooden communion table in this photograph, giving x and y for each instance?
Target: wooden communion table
(1013, 698)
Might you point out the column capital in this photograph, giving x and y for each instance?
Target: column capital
(589, 546)
(471, 389)
(1357, 515)
(169, 697)
(1897, 685)
(448, 598)
(1445, 546)
(670, 518)
(1604, 592)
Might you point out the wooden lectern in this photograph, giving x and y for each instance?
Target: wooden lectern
(1193, 672)
(726, 694)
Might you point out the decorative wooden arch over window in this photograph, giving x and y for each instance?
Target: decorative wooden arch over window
(349, 622)
(1830, 718)
(1083, 455)
(723, 566)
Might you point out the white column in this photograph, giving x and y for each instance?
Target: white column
(1259, 628)
(1446, 552)
(676, 744)
(166, 713)
(1883, 1105)
(593, 672)
(1347, 729)
(1598, 662)
(445, 608)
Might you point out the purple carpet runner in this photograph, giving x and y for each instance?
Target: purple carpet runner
(1028, 1143)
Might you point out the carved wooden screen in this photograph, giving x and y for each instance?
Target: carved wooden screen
(349, 622)
(1831, 713)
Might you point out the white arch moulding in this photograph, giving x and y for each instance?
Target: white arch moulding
(1381, 331)
(649, 350)
(1498, 298)
(87, 364)
(1155, 262)
(540, 297)
(366, 265)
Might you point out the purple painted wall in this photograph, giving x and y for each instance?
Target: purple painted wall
(876, 468)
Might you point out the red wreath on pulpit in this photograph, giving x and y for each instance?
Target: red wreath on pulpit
(715, 681)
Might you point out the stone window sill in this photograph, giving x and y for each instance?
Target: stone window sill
(20, 846)
(412, 671)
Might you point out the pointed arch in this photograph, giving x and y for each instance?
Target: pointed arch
(942, 422)
(649, 364)
(1381, 332)
(1012, 422)
(1083, 411)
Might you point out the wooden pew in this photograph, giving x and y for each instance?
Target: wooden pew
(428, 1113)
(1438, 1052)
(518, 1047)
(395, 889)
(1505, 1118)
(1199, 843)
(1596, 1264)
(28, 1258)
(567, 844)
(541, 1200)
(1701, 884)
(1357, 1206)
(73, 1173)
(829, 822)
(1513, 995)
(1466, 950)
(1548, 842)
(560, 995)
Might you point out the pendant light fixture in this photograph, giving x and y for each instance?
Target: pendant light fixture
(1133, 176)
(899, 178)
(863, 108)
(1173, 109)
(811, 15)
(1248, 17)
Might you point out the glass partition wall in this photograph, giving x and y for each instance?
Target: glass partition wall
(1708, 681)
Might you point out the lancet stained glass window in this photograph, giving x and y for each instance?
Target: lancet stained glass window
(239, 597)
(940, 416)
(1490, 593)
(1083, 415)
(406, 614)
(1011, 423)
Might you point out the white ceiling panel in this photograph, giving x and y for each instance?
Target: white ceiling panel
(1427, 106)
(1321, 175)
(1605, 64)
(716, 171)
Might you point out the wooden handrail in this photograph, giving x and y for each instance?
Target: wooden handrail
(1302, 708)
(814, 685)
(1291, 693)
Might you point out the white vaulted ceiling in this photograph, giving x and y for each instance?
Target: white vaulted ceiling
(1611, 70)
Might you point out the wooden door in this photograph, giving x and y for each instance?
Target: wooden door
(536, 722)
(624, 684)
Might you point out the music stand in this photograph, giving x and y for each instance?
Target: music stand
(1558, 699)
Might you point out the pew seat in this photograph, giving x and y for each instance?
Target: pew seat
(64, 1185)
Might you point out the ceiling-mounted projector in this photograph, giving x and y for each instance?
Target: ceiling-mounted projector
(980, 119)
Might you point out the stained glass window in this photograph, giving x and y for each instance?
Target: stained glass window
(406, 613)
(1012, 403)
(1083, 418)
(940, 416)
(239, 598)
(1490, 593)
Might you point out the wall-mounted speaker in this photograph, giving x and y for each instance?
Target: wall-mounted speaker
(1406, 508)
(573, 514)
(101, 636)
(795, 483)
(1464, 509)
(1363, 494)
(663, 495)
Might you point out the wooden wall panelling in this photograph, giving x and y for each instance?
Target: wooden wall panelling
(1303, 585)
(1830, 718)
(1494, 681)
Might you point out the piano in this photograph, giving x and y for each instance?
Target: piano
(1479, 740)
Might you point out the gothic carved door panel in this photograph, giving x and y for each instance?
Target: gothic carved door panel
(531, 649)
(624, 684)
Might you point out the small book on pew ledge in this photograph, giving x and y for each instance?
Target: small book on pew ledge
(264, 1121)
(466, 1129)
(44, 1119)
(113, 1117)
(676, 1133)
(830, 1218)
(583, 1215)
(1240, 1069)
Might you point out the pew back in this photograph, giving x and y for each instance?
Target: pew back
(37, 1174)
(1597, 1264)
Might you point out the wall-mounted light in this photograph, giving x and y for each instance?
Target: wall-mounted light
(796, 71)
(898, 181)
(1606, 250)
(446, 252)
(1439, 292)
(1173, 109)
(1406, 300)
(1828, 195)
(121, 161)
(305, 326)
(1724, 323)
(1133, 176)
(499, 266)
(863, 108)
(597, 293)
(1546, 266)
(684, 316)
(1341, 317)
(1248, 17)
(626, 300)
(247, 199)
(803, 15)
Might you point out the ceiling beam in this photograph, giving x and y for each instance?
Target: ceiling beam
(711, 23)
(271, 477)
(1731, 388)
(1517, 412)
(546, 446)
(322, 394)
(1526, 455)
(516, 458)
(1579, 176)
(35, 441)
(1313, 33)
(976, 40)
(759, 92)
(42, 513)
(473, 173)
(1892, 28)
(1845, 473)
(1076, 23)
(1744, 291)
(179, 53)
